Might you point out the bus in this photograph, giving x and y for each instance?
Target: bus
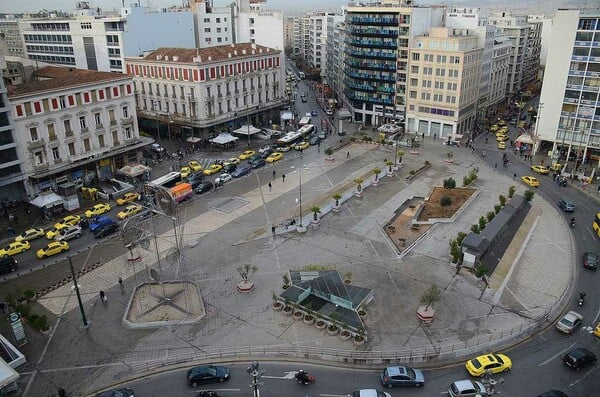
(596, 224)
(290, 138)
(304, 120)
(168, 180)
(306, 130)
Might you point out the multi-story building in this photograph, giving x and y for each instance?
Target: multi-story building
(317, 31)
(210, 89)
(499, 73)
(75, 126)
(568, 122)
(12, 35)
(288, 34)
(11, 173)
(376, 55)
(302, 36)
(335, 53)
(526, 45)
(444, 82)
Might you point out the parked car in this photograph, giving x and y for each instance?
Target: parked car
(402, 376)
(195, 179)
(50, 234)
(156, 148)
(106, 230)
(30, 234)
(229, 168)
(569, 322)
(70, 220)
(8, 265)
(97, 209)
(241, 171)
(266, 153)
(69, 233)
(117, 393)
(99, 222)
(283, 148)
(263, 149)
(467, 388)
(370, 393)
(207, 374)
(579, 358)
(128, 198)
(130, 210)
(566, 205)
(14, 248)
(314, 140)
(258, 163)
(53, 248)
(590, 261)
(213, 169)
(223, 178)
(204, 187)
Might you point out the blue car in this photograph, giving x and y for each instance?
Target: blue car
(241, 171)
(100, 221)
(402, 376)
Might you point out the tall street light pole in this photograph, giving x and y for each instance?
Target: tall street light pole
(86, 324)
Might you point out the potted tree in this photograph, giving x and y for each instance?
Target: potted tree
(286, 281)
(337, 197)
(329, 153)
(362, 313)
(449, 157)
(360, 338)
(316, 210)
(246, 272)
(345, 334)
(400, 154)
(390, 171)
(358, 182)
(376, 171)
(429, 297)
(348, 278)
(287, 309)
(320, 323)
(276, 305)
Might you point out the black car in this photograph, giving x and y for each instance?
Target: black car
(590, 261)
(266, 153)
(241, 171)
(553, 393)
(258, 163)
(579, 358)
(207, 374)
(566, 205)
(117, 393)
(106, 230)
(204, 187)
(314, 140)
(8, 265)
(229, 168)
(254, 158)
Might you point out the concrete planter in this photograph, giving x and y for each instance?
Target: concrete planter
(315, 222)
(245, 286)
(298, 315)
(333, 330)
(358, 194)
(345, 335)
(358, 340)
(337, 208)
(277, 306)
(287, 311)
(309, 319)
(375, 183)
(320, 324)
(425, 314)
(390, 173)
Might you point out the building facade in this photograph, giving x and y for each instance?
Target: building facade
(568, 122)
(76, 126)
(210, 89)
(444, 83)
(335, 53)
(12, 35)
(376, 55)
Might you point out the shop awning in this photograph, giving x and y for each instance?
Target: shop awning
(133, 169)
(193, 139)
(225, 138)
(46, 199)
(344, 114)
(525, 138)
(247, 130)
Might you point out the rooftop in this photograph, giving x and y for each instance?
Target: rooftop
(55, 77)
(198, 55)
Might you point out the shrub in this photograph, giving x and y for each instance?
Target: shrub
(426, 163)
(466, 180)
(490, 215)
(329, 151)
(431, 296)
(482, 222)
(412, 172)
(455, 251)
(502, 200)
(529, 194)
(475, 228)
(497, 208)
(511, 191)
(449, 183)
(28, 294)
(367, 138)
(353, 139)
(446, 201)
(460, 237)
(381, 141)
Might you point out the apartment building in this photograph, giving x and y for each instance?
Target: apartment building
(11, 173)
(10, 28)
(444, 82)
(210, 89)
(568, 122)
(288, 34)
(335, 53)
(526, 46)
(76, 126)
(301, 36)
(376, 56)
(317, 40)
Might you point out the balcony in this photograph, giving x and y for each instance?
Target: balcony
(84, 130)
(127, 120)
(113, 122)
(35, 144)
(371, 43)
(99, 126)
(41, 167)
(371, 32)
(373, 21)
(370, 54)
(69, 133)
(53, 137)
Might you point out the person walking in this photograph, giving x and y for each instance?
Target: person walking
(103, 296)
(282, 177)
(274, 174)
(121, 282)
(347, 155)
(273, 230)
(270, 186)
(62, 392)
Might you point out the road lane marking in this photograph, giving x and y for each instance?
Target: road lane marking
(584, 376)
(556, 355)
(334, 395)
(288, 375)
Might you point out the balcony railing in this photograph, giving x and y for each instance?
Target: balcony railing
(84, 130)
(113, 122)
(126, 120)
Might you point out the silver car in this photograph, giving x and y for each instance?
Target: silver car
(569, 322)
(467, 388)
(69, 233)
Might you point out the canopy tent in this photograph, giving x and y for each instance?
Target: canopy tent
(224, 138)
(133, 169)
(46, 199)
(525, 138)
(247, 130)
(193, 139)
(344, 114)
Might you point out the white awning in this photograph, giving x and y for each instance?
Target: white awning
(225, 138)
(134, 169)
(525, 138)
(344, 114)
(45, 199)
(193, 139)
(247, 130)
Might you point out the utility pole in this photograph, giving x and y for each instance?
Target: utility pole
(256, 376)
(86, 324)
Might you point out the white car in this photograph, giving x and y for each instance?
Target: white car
(263, 149)
(370, 393)
(224, 177)
(69, 233)
(467, 388)
(569, 322)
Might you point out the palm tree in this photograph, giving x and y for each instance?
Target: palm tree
(377, 171)
(315, 210)
(359, 182)
(389, 163)
(400, 153)
(337, 197)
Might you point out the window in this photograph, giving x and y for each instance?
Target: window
(38, 157)
(219, 30)
(453, 73)
(416, 56)
(414, 82)
(111, 115)
(426, 84)
(413, 94)
(72, 151)
(101, 141)
(115, 137)
(428, 71)
(86, 25)
(219, 39)
(439, 85)
(82, 122)
(455, 60)
(441, 59)
(33, 134)
(55, 153)
(125, 112)
(251, 21)
(67, 125)
(414, 69)
(206, 20)
(98, 119)
(440, 72)
(425, 96)
(428, 57)
(206, 30)
(51, 132)
(128, 133)
(62, 101)
(86, 144)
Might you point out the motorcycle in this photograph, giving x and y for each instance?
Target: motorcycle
(303, 378)
(207, 393)
(573, 222)
(581, 299)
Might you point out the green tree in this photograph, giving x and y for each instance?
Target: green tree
(529, 194)
(246, 271)
(337, 197)
(376, 171)
(431, 296)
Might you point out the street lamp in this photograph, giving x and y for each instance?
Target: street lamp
(300, 194)
(86, 324)
(155, 106)
(537, 126)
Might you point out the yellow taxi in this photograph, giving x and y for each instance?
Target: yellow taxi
(501, 123)
(540, 169)
(502, 145)
(185, 172)
(521, 124)
(70, 220)
(14, 248)
(494, 128)
(213, 169)
(128, 198)
(30, 234)
(53, 248)
(502, 138)
(301, 145)
(130, 210)
(247, 154)
(195, 165)
(503, 130)
(55, 230)
(97, 209)
(488, 362)
(597, 330)
(231, 161)
(273, 157)
(531, 181)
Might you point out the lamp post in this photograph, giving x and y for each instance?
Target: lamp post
(537, 126)
(300, 225)
(86, 324)
(155, 106)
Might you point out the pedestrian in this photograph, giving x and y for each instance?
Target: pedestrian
(282, 177)
(515, 175)
(473, 149)
(270, 186)
(423, 137)
(486, 140)
(274, 174)
(483, 154)
(121, 282)
(103, 296)
(434, 136)
(62, 392)
(273, 230)
(496, 166)
(348, 155)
